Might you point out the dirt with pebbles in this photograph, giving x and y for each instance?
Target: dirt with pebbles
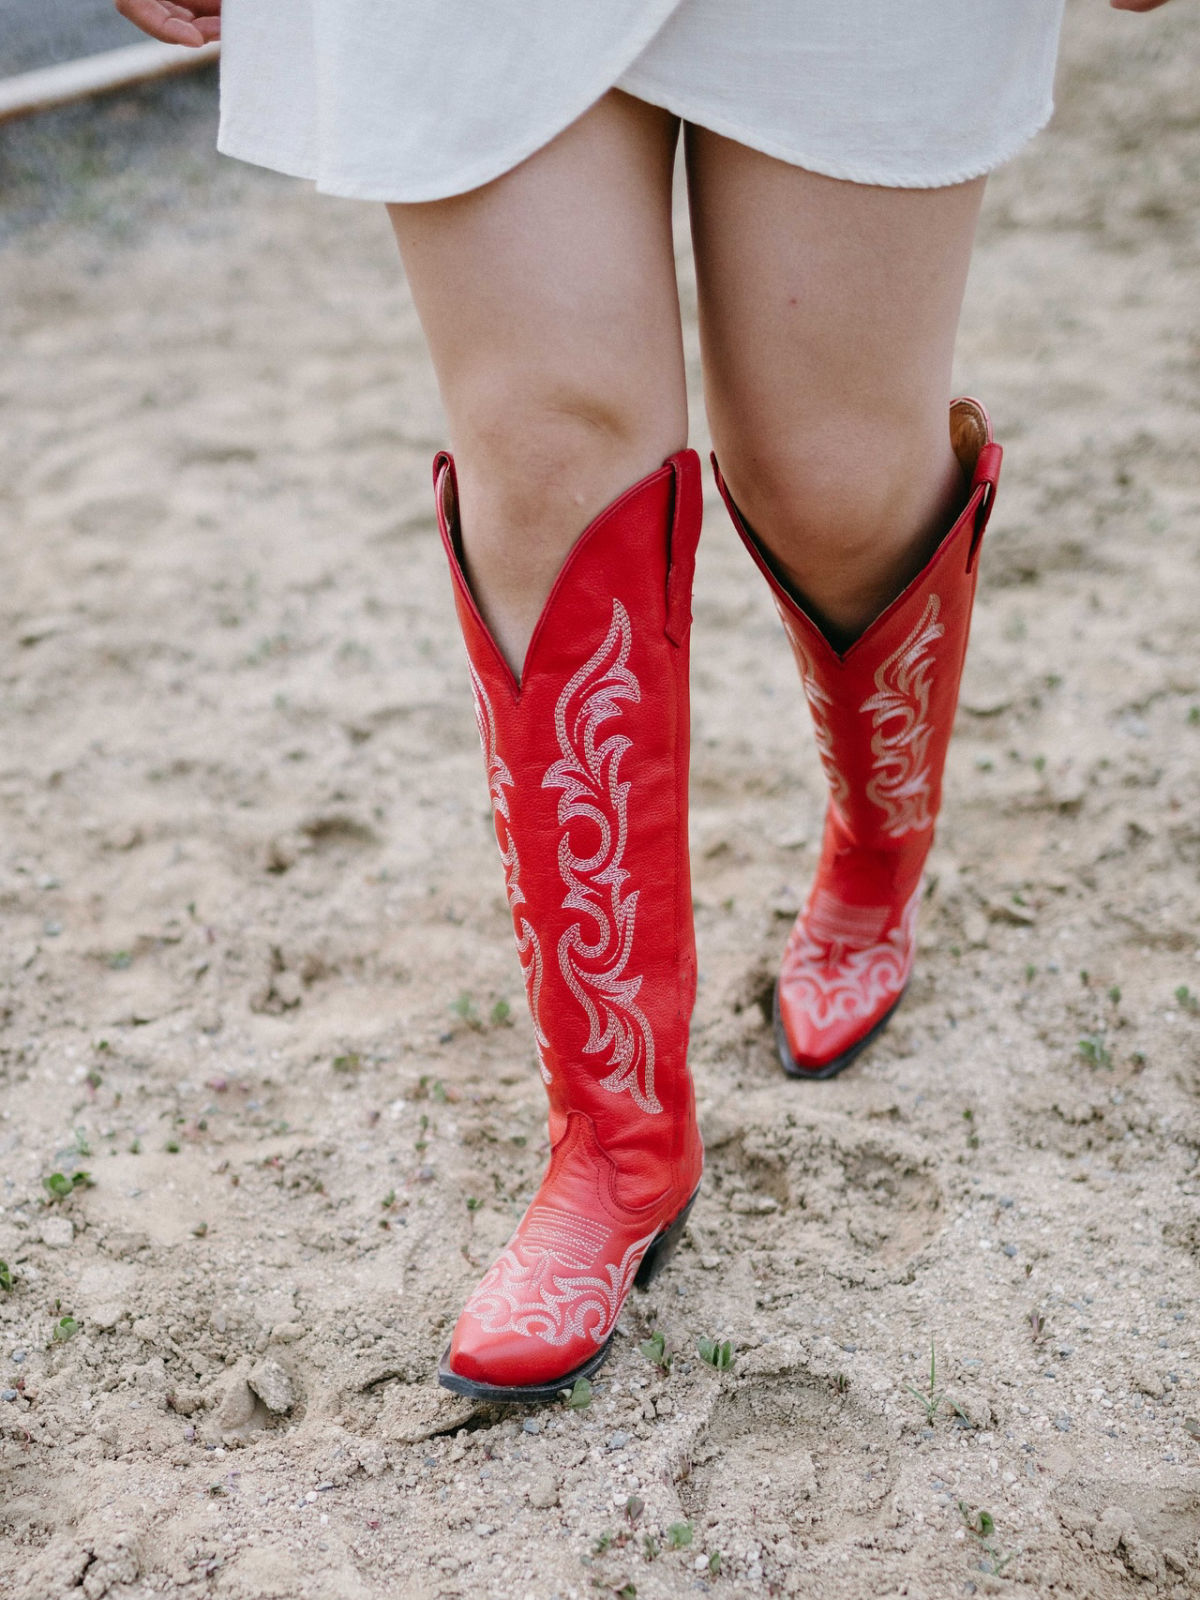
(258, 980)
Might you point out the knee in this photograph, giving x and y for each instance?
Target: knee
(836, 491)
(549, 452)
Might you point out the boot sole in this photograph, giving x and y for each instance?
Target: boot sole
(658, 1254)
(839, 1063)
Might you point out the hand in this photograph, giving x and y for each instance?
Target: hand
(197, 23)
(1136, 5)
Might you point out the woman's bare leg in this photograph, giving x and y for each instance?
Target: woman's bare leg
(828, 312)
(549, 302)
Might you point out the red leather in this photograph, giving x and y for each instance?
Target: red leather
(883, 713)
(587, 763)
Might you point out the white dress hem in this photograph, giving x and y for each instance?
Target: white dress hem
(346, 188)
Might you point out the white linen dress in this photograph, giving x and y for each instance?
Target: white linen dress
(410, 100)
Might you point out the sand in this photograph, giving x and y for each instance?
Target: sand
(256, 947)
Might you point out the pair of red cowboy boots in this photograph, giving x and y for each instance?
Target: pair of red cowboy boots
(587, 764)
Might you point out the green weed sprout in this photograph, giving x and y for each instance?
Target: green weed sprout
(718, 1356)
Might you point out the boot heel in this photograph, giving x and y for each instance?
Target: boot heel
(663, 1248)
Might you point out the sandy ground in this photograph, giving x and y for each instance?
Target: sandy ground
(256, 944)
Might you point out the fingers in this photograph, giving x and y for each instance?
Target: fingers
(191, 25)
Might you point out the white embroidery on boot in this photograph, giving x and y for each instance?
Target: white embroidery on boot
(499, 777)
(900, 785)
(819, 700)
(587, 773)
(831, 975)
(523, 1292)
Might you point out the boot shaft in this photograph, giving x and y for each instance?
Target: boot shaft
(587, 766)
(883, 709)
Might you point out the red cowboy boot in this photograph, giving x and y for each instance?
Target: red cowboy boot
(587, 762)
(883, 712)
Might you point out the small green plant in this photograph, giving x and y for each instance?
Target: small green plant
(929, 1400)
(464, 1009)
(651, 1549)
(634, 1507)
(603, 1544)
(1094, 1050)
(172, 1147)
(135, 1147)
(389, 1200)
(82, 1147)
(679, 1536)
(579, 1398)
(94, 1079)
(718, 1356)
(840, 1382)
(714, 1564)
(1187, 1000)
(1085, 976)
(972, 1131)
(502, 1014)
(58, 1186)
(473, 1202)
(1037, 1325)
(422, 1142)
(65, 1328)
(6, 1277)
(1193, 716)
(627, 1590)
(1030, 972)
(983, 1525)
(120, 960)
(1114, 993)
(351, 1061)
(655, 1351)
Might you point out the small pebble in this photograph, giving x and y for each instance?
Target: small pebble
(273, 1385)
(56, 1233)
(1010, 1250)
(1063, 1424)
(532, 1425)
(19, 1356)
(617, 1441)
(52, 929)
(8, 1394)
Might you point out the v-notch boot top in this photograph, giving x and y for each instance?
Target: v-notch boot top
(882, 711)
(587, 764)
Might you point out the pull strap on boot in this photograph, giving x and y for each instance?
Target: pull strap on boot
(882, 711)
(587, 764)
